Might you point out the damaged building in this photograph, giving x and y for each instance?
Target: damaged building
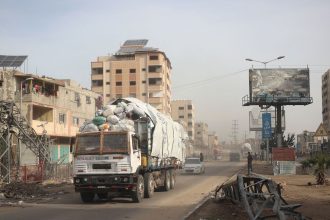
(55, 108)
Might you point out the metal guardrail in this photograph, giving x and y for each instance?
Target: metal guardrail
(260, 196)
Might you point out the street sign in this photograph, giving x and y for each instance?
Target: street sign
(266, 126)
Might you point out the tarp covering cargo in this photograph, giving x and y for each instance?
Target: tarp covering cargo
(168, 136)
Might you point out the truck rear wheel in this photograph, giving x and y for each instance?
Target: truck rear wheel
(87, 196)
(167, 183)
(139, 192)
(149, 186)
(172, 176)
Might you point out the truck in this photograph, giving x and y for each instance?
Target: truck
(129, 163)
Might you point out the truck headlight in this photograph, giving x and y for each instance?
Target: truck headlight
(77, 180)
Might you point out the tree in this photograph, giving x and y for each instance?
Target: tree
(320, 163)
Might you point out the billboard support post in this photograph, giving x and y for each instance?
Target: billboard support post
(279, 125)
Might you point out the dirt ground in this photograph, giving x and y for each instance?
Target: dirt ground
(297, 189)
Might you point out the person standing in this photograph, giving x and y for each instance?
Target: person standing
(249, 159)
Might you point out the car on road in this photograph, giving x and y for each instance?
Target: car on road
(193, 165)
(234, 156)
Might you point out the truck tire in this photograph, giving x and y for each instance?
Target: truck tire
(87, 197)
(149, 186)
(167, 181)
(138, 194)
(172, 178)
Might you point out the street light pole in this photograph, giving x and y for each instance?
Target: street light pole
(265, 62)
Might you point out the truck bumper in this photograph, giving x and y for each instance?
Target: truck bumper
(105, 183)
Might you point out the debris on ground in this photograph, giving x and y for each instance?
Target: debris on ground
(20, 190)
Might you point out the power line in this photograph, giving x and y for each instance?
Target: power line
(201, 82)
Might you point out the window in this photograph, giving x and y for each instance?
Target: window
(118, 71)
(189, 107)
(153, 57)
(132, 95)
(132, 83)
(143, 81)
(155, 69)
(190, 133)
(189, 115)
(119, 83)
(189, 124)
(108, 71)
(132, 70)
(181, 108)
(88, 100)
(107, 95)
(61, 118)
(75, 121)
(97, 82)
(155, 81)
(97, 71)
(76, 97)
(144, 94)
(181, 116)
(143, 69)
(118, 96)
(108, 83)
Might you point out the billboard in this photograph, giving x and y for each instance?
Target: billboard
(289, 86)
(255, 118)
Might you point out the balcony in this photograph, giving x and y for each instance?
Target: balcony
(39, 98)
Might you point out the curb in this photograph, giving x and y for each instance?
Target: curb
(199, 204)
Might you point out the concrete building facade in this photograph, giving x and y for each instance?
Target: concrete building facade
(201, 135)
(183, 111)
(326, 100)
(58, 107)
(134, 71)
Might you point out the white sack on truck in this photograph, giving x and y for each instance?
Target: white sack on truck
(168, 136)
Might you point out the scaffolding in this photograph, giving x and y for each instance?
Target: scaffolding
(13, 124)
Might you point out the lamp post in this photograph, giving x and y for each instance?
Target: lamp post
(265, 62)
(21, 93)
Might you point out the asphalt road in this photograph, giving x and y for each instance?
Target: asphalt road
(175, 204)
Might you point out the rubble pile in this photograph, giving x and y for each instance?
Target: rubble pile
(118, 117)
(20, 190)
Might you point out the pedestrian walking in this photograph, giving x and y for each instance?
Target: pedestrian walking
(249, 159)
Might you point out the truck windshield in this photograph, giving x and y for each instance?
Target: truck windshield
(115, 143)
(88, 144)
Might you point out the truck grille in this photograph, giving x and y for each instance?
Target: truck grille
(81, 168)
(104, 166)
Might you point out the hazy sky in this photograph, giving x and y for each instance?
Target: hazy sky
(206, 41)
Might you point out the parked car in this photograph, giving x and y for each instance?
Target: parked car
(194, 165)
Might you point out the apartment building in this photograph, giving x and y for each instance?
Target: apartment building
(326, 100)
(183, 111)
(58, 107)
(134, 71)
(201, 135)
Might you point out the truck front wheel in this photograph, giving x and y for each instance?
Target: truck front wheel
(167, 184)
(172, 176)
(138, 194)
(87, 196)
(149, 186)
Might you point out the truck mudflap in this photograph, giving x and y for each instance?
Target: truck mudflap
(105, 183)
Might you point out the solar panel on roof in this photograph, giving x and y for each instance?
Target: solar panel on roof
(11, 61)
(139, 42)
